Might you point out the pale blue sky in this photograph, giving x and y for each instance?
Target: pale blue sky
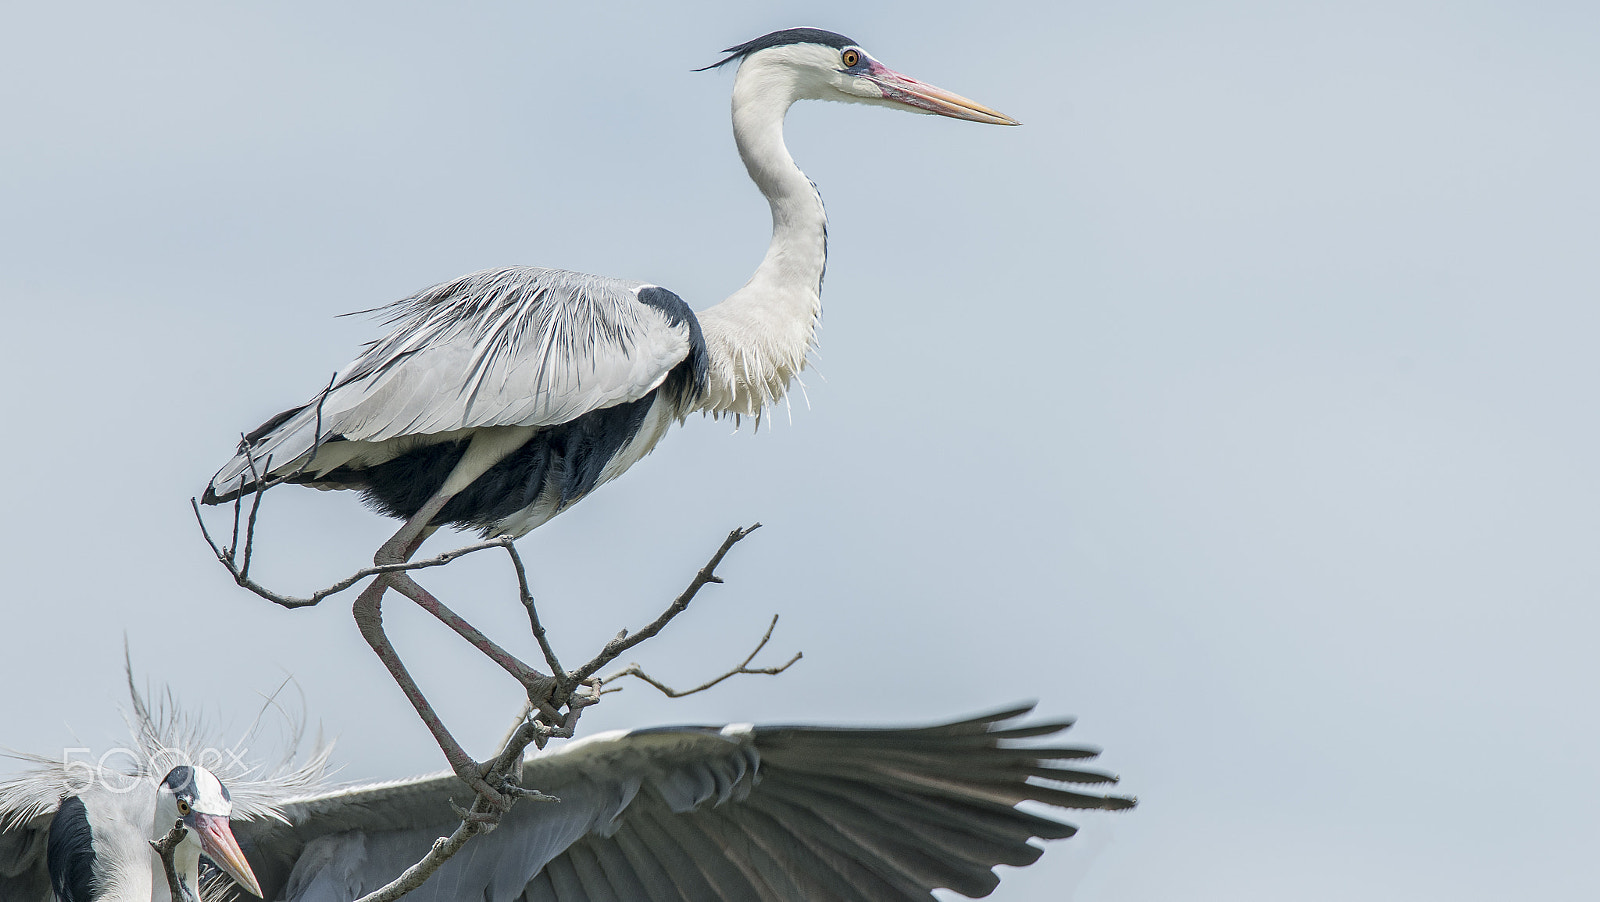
(1241, 403)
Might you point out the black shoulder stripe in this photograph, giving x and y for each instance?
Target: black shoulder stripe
(69, 852)
(688, 390)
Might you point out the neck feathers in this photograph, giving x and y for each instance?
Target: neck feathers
(759, 337)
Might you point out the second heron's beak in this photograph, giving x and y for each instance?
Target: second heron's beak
(217, 843)
(903, 89)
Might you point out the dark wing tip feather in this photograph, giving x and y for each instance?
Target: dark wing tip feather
(1030, 731)
(980, 728)
(1120, 803)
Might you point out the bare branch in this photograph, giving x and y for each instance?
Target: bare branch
(555, 703)
(165, 846)
(226, 557)
(634, 670)
(573, 691)
(233, 542)
(482, 817)
(533, 614)
(443, 849)
(316, 444)
(255, 511)
(261, 483)
(623, 642)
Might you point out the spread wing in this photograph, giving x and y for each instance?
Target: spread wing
(688, 814)
(519, 346)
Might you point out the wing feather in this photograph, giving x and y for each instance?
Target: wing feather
(609, 858)
(640, 860)
(694, 877)
(857, 859)
(808, 868)
(23, 874)
(899, 846)
(693, 813)
(519, 346)
(795, 862)
(593, 876)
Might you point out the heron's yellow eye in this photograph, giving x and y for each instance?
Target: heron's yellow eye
(183, 808)
(851, 57)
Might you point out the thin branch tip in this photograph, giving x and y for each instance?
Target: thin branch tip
(743, 668)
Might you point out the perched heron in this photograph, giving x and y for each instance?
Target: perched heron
(673, 814)
(504, 396)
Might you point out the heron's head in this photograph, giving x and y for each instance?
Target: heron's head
(195, 796)
(812, 64)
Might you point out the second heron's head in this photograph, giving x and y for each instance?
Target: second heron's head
(196, 797)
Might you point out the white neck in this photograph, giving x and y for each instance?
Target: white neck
(123, 823)
(758, 338)
(143, 879)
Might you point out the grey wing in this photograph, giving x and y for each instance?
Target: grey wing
(518, 346)
(743, 813)
(342, 845)
(24, 876)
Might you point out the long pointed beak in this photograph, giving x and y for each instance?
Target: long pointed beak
(217, 843)
(927, 98)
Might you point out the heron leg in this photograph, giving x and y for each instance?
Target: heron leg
(368, 613)
(485, 450)
(537, 684)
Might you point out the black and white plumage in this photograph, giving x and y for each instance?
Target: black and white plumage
(78, 829)
(575, 376)
(515, 392)
(672, 814)
(96, 844)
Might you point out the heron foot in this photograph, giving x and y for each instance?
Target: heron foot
(472, 773)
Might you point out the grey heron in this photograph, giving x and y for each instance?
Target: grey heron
(500, 398)
(669, 814)
(78, 829)
(84, 834)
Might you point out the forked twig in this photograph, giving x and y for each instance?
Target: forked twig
(506, 769)
(555, 703)
(261, 483)
(634, 670)
(317, 441)
(255, 509)
(623, 641)
(526, 595)
(544, 719)
(226, 557)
